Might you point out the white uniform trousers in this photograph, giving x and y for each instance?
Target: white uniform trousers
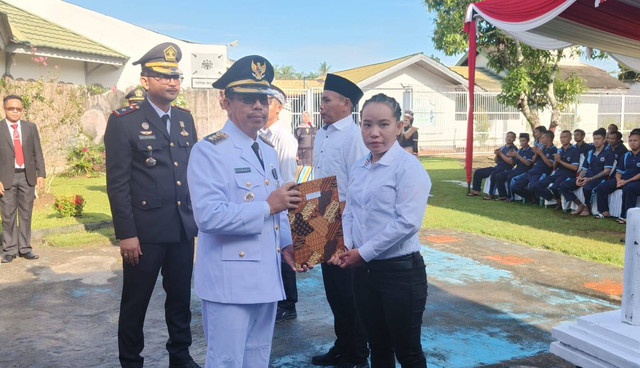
(238, 335)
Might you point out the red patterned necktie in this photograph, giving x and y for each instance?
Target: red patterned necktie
(17, 145)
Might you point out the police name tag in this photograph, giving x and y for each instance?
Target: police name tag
(143, 137)
(240, 170)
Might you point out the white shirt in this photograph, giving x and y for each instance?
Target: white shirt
(335, 150)
(161, 114)
(11, 134)
(286, 146)
(386, 201)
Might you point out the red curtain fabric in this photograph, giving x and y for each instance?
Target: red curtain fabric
(517, 10)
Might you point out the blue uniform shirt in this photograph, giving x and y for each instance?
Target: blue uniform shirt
(526, 153)
(570, 155)
(594, 164)
(584, 148)
(629, 166)
(502, 163)
(540, 166)
(619, 151)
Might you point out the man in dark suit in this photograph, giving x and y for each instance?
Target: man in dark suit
(147, 151)
(21, 170)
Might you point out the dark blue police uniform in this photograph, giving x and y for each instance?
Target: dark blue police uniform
(628, 166)
(523, 185)
(149, 198)
(506, 176)
(500, 167)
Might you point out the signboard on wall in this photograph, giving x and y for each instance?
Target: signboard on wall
(206, 69)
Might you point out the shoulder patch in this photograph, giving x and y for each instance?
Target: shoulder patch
(266, 141)
(125, 110)
(181, 108)
(216, 137)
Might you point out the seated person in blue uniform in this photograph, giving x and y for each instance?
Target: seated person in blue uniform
(537, 133)
(386, 200)
(581, 145)
(595, 169)
(614, 143)
(627, 173)
(542, 164)
(503, 163)
(522, 157)
(565, 165)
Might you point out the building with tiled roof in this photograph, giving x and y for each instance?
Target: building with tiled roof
(30, 42)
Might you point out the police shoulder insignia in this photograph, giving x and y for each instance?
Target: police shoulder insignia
(181, 108)
(267, 142)
(216, 137)
(125, 110)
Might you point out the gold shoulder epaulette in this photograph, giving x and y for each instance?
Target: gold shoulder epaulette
(125, 110)
(267, 142)
(216, 137)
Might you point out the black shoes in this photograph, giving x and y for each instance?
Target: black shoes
(332, 357)
(6, 258)
(188, 364)
(345, 364)
(30, 256)
(285, 314)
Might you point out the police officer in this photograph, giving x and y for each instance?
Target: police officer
(240, 205)
(135, 96)
(337, 146)
(147, 150)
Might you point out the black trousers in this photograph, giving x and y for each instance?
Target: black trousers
(17, 204)
(290, 288)
(176, 262)
(350, 338)
(390, 298)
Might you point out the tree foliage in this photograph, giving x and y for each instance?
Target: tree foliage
(530, 76)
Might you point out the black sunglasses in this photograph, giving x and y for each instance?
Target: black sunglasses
(251, 98)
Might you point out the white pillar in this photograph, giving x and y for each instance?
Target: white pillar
(631, 277)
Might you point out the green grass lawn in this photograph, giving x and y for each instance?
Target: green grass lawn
(85, 238)
(532, 225)
(93, 190)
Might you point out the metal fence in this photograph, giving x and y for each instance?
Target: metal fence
(441, 117)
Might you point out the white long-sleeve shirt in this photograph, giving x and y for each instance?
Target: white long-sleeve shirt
(286, 146)
(335, 149)
(386, 201)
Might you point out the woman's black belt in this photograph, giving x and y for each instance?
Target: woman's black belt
(405, 262)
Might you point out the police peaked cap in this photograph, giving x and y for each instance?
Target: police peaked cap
(344, 87)
(136, 94)
(162, 59)
(250, 74)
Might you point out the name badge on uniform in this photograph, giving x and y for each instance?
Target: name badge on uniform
(143, 137)
(240, 170)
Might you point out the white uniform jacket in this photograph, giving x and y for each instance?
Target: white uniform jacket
(239, 244)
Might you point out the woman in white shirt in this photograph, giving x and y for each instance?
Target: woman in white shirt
(386, 200)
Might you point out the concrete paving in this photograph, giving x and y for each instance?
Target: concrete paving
(491, 303)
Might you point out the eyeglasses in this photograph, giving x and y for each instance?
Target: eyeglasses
(251, 98)
(14, 109)
(166, 79)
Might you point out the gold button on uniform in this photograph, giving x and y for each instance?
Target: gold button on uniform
(179, 182)
(187, 143)
(266, 182)
(277, 227)
(179, 203)
(248, 184)
(175, 163)
(278, 249)
(241, 254)
(144, 203)
(149, 148)
(171, 144)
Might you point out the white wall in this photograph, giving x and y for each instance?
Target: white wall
(68, 71)
(117, 35)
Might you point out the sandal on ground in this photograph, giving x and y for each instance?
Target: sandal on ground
(585, 213)
(621, 221)
(473, 194)
(501, 198)
(488, 198)
(599, 216)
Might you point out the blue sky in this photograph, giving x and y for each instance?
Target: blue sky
(345, 34)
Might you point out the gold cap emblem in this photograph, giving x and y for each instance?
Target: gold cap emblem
(170, 53)
(139, 93)
(258, 69)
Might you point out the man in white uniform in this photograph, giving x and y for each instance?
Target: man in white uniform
(240, 204)
(337, 146)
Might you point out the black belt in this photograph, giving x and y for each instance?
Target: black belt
(19, 170)
(406, 262)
